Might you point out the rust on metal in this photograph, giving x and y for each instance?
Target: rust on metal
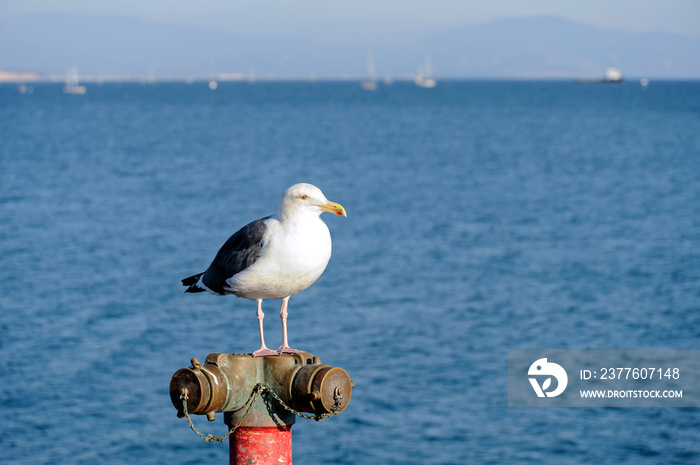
(297, 381)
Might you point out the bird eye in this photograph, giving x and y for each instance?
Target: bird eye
(303, 196)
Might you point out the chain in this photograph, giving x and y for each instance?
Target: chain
(318, 417)
(257, 391)
(209, 437)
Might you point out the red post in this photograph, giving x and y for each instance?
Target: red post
(251, 445)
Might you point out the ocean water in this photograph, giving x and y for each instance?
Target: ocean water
(482, 217)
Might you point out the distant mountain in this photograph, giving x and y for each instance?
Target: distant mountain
(52, 43)
(552, 47)
(535, 47)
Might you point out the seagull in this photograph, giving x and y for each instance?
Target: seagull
(274, 257)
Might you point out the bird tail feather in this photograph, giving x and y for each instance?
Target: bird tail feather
(192, 283)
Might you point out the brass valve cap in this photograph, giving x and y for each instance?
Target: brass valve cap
(204, 386)
(322, 389)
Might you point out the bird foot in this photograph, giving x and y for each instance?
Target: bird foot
(289, 350)
(264, 352)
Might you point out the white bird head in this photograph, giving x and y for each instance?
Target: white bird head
(309, 198)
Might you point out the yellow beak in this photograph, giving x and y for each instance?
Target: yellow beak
(333, 207)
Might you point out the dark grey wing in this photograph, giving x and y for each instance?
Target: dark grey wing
(239, 252)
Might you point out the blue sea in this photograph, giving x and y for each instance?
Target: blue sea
(482, 217)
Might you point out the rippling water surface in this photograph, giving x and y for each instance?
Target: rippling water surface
(482, 217)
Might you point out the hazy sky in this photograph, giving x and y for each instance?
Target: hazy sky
(380, 19)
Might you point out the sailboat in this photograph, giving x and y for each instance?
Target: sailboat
(425, 76)
(72, 84)
(613, 75)
(371, 83)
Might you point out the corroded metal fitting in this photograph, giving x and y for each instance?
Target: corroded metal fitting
(224, 383)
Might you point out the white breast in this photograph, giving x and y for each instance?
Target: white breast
(293, 257)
